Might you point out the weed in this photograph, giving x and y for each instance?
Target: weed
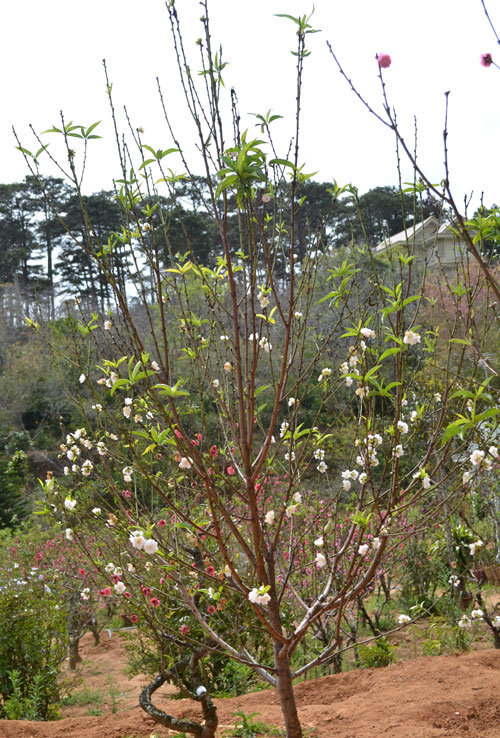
(84, 696)
(247, 727)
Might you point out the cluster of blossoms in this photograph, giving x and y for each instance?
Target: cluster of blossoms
(73, 449)
(369, 455)
(350, 367)
(476, 614)
(348, 476)
(263, 342)
(319, 455)
(474, 546)
(291, 509)
(479, 459)
(325, 374)
(140, 543)
(259, 596)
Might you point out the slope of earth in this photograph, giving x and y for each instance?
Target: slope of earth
(426, 698)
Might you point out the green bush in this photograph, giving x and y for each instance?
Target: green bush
(380, 653)
(32, 646)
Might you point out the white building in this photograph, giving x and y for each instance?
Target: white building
(434, 242)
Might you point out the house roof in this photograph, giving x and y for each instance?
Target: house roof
(421, 233)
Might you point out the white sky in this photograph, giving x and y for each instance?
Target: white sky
(51, 56)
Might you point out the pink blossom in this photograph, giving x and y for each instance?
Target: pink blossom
(213, 452)
(133, 618)
(184, 629)
(486, 60)
(154, 602)
(161, 523)
(211, 610)
(105, 592)
(230, 470)
(384, 60)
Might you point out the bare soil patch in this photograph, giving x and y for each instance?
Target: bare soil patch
(426, 698)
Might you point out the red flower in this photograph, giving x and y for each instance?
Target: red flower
(154, 602)
(486, 60)
(211, 610)
(178, 433)
(210, 570)
(230, 470)
(213, 452)
(133, 618)
(146, 591)
(184, 629)
(127, 493)
(127, 595)
(105, 592)
(161, 523)
(384, 60)
(81, 572)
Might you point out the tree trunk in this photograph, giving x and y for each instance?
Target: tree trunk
(284, 687)
(74, 656)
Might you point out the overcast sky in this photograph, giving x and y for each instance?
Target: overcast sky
(51, 57)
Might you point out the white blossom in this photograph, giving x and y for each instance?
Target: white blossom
(376, 543)
(402, 427)
(319, 542)
(411, 338)
(320, 560)
(155, 366)
(85, 593)
(137, 540)
(69, 534)
(150, 546)
(269, 517)
(258, 597)
(185, 463)
(322, 467)
(96, 510)
(297, 315)
(403, 619)
(82, 378)
(367, 332)
(69, 504)
(477, 614)
(119, 588)
(363, 550)
(476, 457)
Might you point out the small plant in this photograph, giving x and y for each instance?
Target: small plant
(94, 711)
(247, 727)
(84, 696)
(445, 637)
(114, 694)
(29, 706)
(380, 653)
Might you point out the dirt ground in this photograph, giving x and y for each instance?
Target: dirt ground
(426, 698)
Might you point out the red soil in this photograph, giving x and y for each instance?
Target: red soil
(426, 698)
